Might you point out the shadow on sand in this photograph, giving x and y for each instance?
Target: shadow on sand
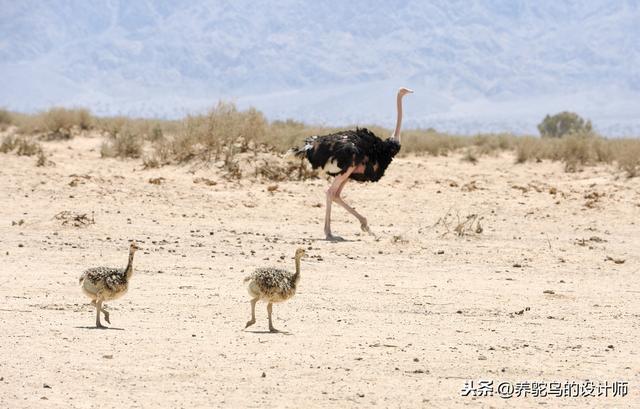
(103, 328)
(269, 332)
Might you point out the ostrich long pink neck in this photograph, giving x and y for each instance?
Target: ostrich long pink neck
(396, 133)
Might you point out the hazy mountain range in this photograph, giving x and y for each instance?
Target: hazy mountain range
(475, 65)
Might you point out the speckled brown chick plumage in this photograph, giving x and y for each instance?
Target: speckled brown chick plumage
(273, 285)
(107, 283)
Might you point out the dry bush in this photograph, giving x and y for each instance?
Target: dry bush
(470, 155)
(8, 144)
(27, 147)
(628, 156)
(531, 148)
(577, 152)
(28, 124)
(67, 217)
(42, 159)
(112, 125)
(492, 143)
(432, 142)
(603, 150)
(6, 119)
(278, 170)
(467, 226)
(147, 129)
(124, 145)
(23, 145)
(56, 119)
(528, 148)
(220, 134)
(161, 154)
(56, 122)
(225, 134)
(282, 135)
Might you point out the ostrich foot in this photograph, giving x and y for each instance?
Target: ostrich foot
(273, 330)
(365, 228)
(331, 237)
(250, 323)
(99, 325)
(106, 317)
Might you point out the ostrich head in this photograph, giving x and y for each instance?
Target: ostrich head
(404, 91)
(299, 253)
(133, 247)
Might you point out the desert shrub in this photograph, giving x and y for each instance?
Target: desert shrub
(432, 142)
(22, 145)
(282, 135)
(28, 124)
(156, 133)
(26, 146)
(470, 155)
(147, 129)
(577, 151)
(62, 118)
(42, 159)
(112, 125)
(628, 156)
(220, 134)
(160, 155)
(563, 123)
(491, 143)
(528, 148)
(6, 118)
(8, 144)
(125, 144)
(603, 150)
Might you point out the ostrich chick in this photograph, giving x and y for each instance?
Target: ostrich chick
(272, 285)
(107, 283)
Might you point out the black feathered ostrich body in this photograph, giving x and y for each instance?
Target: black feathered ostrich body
(353, 154)
(361, 148)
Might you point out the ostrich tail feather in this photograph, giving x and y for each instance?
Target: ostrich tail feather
(295, 154)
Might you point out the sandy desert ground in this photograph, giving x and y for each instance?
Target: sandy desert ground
(398, 320)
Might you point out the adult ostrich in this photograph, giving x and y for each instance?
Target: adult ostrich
(353, 154)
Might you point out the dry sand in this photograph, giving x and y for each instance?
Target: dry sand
(401, 321)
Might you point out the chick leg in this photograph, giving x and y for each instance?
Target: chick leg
(106, 314)
(269, 310)
(98, 309)
(253, 313)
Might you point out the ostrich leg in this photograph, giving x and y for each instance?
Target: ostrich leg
(98, 309)
(106, 314)
(338, 199)
(269, 310)
(331, 196)
(253, 313)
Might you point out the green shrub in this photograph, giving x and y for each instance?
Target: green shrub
(561, 124)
